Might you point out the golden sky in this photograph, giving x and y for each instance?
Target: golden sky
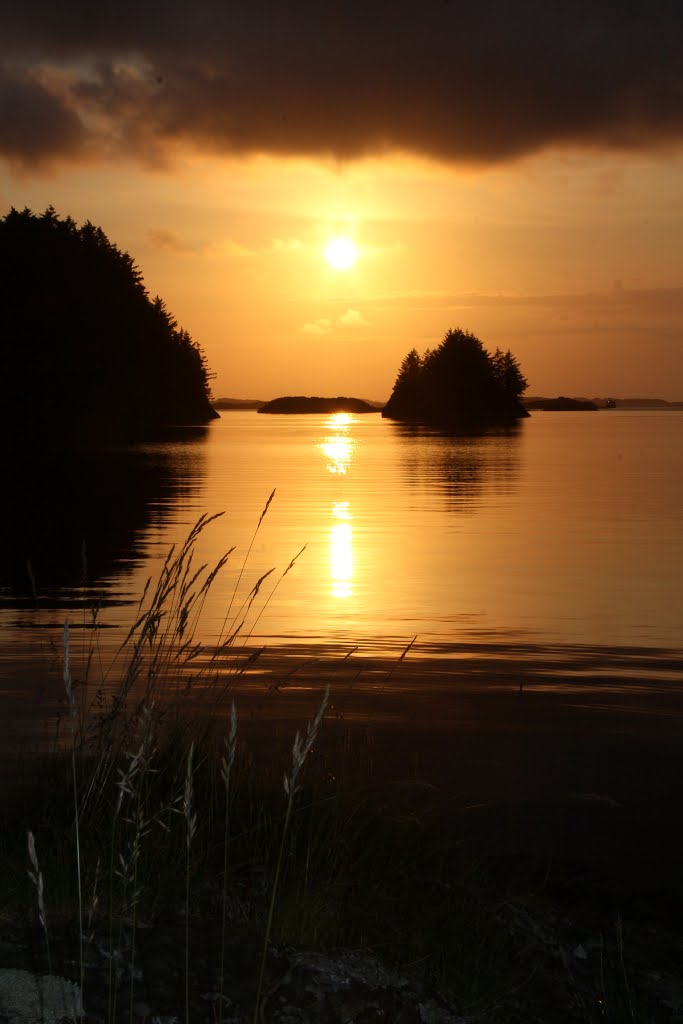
(518, 175)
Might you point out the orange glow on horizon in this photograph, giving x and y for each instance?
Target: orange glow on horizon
(571, 261)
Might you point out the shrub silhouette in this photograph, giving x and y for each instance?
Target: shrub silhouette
(86, 354)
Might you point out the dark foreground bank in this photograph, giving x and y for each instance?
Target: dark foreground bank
(499, 825)
(569, 753)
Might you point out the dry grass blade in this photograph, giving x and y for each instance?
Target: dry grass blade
(36, 877)
(272, 593)
(241, 573)
(267, 505)
(230, 743)
(302, 748)
(300, 751)
(66, 675)
(190, 828)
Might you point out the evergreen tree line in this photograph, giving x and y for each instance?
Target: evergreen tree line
(458, 385)
(86, 354)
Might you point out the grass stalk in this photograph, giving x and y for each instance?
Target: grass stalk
(220, 643)
(300, 751)
(68, 685)
(190, 828)
(36, 876)
(126, 788)
(622, 966)
(226, 768)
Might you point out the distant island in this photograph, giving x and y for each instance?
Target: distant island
(324, 406)
(561, 404)
(564, 404)
(643, 403)
(458, 386)
(88, 357)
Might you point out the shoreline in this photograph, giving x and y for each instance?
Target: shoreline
(570, 753)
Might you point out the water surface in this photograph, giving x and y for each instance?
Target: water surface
(539, 571)
(562, 536)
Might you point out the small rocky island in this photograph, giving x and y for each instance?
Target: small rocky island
(458, 386)
(324, 406)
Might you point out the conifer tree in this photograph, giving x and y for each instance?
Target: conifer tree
(458, 385)
(87, 356)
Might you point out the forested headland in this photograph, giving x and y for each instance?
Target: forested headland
(459, 386)
(87, 355)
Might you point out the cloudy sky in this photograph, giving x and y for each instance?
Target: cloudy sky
(512, 168)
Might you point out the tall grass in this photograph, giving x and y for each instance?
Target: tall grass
(300, 751)
(123, 758)
(157, 806)
(68, 685)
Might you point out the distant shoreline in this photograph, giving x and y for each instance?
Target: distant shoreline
(563, 403)
(533, 403)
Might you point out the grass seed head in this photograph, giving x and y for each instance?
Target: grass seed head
(36, 877)
(68, 683)
(301, 748)
(230, 742)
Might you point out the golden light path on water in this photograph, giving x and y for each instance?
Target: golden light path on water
(341, 551)
(338, 450)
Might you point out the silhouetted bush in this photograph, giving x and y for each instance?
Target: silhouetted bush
(87, 355)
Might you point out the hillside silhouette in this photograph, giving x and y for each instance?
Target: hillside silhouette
(88, 356)
(459, 386)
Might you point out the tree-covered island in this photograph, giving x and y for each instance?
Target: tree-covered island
(458, 386)
(87, 355)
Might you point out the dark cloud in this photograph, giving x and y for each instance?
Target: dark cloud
(454, 81)
(35, 122)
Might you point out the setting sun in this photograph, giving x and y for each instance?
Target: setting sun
(341, 253)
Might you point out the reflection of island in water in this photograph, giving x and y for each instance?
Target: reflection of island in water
(460, 466)
(78, 519)
(338, 449)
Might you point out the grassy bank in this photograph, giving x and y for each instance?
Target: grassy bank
(171, 844)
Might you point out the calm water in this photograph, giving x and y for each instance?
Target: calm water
(566, 531)
(541, 571)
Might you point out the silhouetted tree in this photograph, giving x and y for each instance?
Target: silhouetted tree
(508, 374)
(459, 385)
(408, 386)
(86, 354)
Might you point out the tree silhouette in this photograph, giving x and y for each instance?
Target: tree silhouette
(409, 384)
(508, 374)
(458, 385)
(87, 356)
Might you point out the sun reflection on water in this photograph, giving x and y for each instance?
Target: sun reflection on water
(341, 551)
(338, 449)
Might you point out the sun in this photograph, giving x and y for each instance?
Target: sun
(341, 253)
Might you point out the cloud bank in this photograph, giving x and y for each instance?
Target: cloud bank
(452, 81)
